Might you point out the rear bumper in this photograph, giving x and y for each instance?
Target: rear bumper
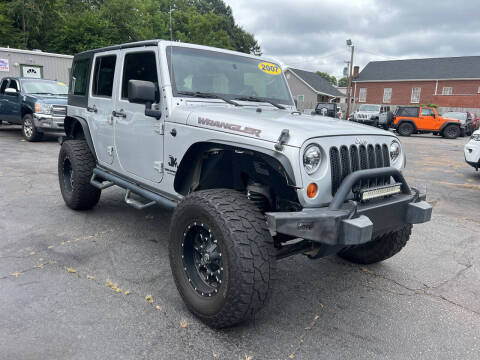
(46, 123)
(354, 223)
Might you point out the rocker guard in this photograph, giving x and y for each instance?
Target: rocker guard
(354, 223)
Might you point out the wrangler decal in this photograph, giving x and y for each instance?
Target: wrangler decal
(228, 126)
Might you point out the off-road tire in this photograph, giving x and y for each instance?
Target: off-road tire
(29, 131)
(380, 249)
(451, 132)
(75, 185)
(406, 129)
(247, 254)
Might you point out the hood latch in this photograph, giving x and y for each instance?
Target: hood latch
(282, 139)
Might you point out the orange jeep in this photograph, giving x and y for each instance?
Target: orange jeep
(410, 120)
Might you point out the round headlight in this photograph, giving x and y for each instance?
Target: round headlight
(395, 150)
(312, 158)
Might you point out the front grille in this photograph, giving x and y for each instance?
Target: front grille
(59, 110)
(344, 160)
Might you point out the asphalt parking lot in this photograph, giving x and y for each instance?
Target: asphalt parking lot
(55, 265)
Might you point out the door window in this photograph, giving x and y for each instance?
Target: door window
(427, 112)
(3, 86)
(140, 66)
(103, 74)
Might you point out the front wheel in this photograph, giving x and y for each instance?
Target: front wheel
(451, 132)
(29, 131)
(221, 256)
(75, 169)
(381, 248)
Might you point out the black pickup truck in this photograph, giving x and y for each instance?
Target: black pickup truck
(38, 105)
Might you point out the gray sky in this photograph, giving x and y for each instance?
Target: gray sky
(311, 34)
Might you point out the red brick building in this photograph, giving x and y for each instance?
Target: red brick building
(448, 82)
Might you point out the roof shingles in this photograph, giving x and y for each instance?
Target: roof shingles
(318, 83)
(464, 67)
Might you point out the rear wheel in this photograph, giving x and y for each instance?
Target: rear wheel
(406, 129)
(75, 169)
(382, 248)
(451, 132)
(29, 131)
(221, 256)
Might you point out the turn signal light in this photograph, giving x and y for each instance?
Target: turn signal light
(312, 190)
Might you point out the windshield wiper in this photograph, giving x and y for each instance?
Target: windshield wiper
(208, 96)
(260, 99)
(42, 93)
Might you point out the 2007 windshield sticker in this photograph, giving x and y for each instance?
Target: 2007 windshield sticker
(270, 68)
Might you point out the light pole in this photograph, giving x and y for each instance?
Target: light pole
(349, 83)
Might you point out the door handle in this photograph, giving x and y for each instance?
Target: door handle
(92, 109)
(120, 113)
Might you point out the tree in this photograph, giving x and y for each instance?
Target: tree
(71, 26)
(330, 78)
(343, 82)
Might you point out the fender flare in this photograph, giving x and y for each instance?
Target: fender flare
(200, 148)
(72, 125)
(449, 123)
(407, 121)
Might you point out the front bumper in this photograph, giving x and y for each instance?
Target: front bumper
(472, 153)
(47, 123)
(354, 223)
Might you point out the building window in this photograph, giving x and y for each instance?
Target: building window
(362, 95)
(300, 98)
(415, 98)
(387, 95)
(478, 90)
(447, 90)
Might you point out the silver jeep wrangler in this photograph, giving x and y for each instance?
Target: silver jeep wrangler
(215, 135)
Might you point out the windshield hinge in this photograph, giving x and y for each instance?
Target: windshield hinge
(160, 129)
(282, 139)
(158, 166)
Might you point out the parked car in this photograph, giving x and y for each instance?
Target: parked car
(251, 180)
(472, 150)
(370, 114)
(476, 121)
(466, 119)
(36, 104)
(420, 119)
(326, 109)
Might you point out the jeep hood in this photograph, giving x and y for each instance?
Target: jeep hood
(268, 124)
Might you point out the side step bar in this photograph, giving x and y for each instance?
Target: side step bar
(110, 180)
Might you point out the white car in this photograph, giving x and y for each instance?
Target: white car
(472, 150)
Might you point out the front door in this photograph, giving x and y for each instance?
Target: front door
(100, 105)
(428, 120)
(139, 138)
(12, 103)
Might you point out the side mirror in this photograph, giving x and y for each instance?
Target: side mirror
(143, 92)
(11, 91)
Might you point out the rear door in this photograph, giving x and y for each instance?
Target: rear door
(139, 138)
(100, 104)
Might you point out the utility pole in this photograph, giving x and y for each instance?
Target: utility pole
(170, 12)
(349, 84)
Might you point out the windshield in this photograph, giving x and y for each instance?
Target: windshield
(227, 75)
(365, 107)
(455, 115)
(44, 87)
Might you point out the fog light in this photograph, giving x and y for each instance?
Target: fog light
(312, 189)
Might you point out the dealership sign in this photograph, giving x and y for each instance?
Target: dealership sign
(4, 65)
